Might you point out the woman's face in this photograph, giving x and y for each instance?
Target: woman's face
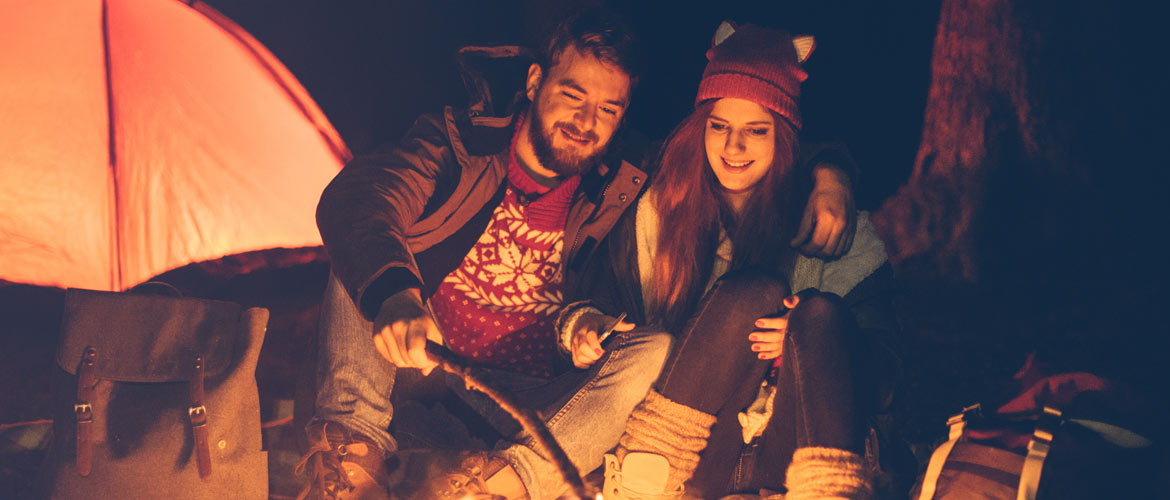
(740, 143)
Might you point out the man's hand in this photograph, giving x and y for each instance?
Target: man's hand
(768, 337)
(401, 331)
(826, 230)
(586, 342)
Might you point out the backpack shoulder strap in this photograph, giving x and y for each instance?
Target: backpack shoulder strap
(939, 458)
(1046, 425)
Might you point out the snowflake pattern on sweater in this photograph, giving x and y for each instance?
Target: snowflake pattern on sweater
(498, 307)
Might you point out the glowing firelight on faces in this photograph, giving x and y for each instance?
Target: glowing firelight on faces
(740, 144)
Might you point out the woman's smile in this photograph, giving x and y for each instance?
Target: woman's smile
(736, 166)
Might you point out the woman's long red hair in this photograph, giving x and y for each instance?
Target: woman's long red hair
(692, 209)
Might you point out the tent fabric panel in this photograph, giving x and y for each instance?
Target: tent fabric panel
(214, 157)
(283, 76)
(55, 196)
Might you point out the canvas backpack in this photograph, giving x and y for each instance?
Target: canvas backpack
(156, 397)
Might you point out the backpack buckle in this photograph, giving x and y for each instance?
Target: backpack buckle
(198, 415)
(84, 412)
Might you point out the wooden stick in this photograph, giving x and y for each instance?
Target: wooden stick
(528, 421)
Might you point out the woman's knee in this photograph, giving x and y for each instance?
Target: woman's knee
(754, 284)
(817, 304)
(819, 317)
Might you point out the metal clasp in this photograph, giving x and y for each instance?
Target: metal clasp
(198, 415)
(83, 411)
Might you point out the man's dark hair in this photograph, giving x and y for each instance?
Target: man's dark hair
(596, 31)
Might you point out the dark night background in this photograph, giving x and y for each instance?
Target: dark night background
(373, 66)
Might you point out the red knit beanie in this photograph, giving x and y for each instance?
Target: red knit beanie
(757, 64)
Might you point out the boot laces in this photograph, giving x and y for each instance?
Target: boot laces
(327, 473)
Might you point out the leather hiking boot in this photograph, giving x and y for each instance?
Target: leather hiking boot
(441, 475)
(342, 465)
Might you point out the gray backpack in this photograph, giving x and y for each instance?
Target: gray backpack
(155, 397)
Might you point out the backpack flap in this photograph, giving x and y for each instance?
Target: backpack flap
(147, 338)
(165, 390)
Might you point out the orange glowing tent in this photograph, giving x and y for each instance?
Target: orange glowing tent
(141, 135)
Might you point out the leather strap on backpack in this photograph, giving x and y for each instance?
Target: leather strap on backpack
(86, 380)
(1046, 426)
(198, 415)
(938, 459)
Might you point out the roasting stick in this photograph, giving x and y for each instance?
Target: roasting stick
(535, 428)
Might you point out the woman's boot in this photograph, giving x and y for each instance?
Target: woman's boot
(658, 451)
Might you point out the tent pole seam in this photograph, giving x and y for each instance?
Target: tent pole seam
(117, 229)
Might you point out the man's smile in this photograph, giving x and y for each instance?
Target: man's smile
(580, 140)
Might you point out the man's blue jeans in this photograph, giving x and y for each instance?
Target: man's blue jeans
(585, 410)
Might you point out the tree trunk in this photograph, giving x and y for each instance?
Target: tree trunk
(979, 108)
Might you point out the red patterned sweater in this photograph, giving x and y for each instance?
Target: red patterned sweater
(498, 307)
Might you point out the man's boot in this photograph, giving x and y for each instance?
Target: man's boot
(342, 465)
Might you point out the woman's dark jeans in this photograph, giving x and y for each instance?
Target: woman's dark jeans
(713, 369)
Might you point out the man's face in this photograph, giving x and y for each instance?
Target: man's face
(577, 106)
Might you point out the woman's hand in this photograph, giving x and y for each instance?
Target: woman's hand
(768, 337)
(586, 342)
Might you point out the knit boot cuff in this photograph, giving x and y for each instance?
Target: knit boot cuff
(672, 430)
(827, 473)
(686, 418)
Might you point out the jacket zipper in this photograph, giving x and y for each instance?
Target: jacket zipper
(577, 236)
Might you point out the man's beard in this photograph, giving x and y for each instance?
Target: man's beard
(564, 163)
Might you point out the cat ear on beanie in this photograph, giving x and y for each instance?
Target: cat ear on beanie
(725, 29)
(804, 46)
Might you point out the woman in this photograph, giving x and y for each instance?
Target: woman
(764, 391)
